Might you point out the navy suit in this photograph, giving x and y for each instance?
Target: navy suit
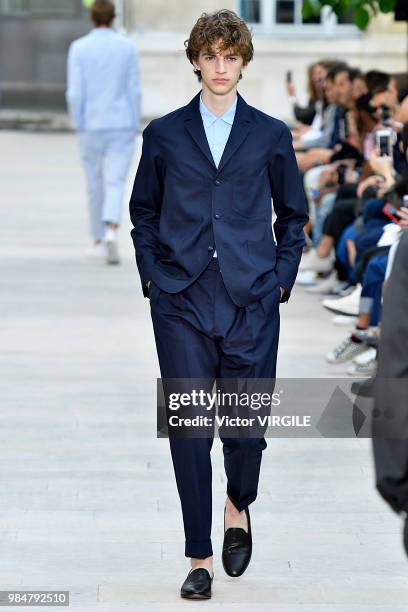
(216, 317)
(183, 206)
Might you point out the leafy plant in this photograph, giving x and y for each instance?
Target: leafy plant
(362, 10)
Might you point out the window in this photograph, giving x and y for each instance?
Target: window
(40, 8)
(53, 7)
(286, 16)
(13, 7)
(250, 10)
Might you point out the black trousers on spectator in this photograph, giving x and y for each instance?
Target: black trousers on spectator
(367, 256)
(342, 215)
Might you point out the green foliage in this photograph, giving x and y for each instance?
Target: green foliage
(362, 10)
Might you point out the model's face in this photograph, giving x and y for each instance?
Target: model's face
(220, 70)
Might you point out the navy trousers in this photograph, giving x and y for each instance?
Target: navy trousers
(201, 333)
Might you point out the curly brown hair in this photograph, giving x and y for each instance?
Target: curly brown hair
(211, 27)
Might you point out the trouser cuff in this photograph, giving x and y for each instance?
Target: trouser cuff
(199, 550)
(241, 505)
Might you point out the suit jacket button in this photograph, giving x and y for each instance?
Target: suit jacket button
(210, 248)
(217, 216)
(217, 182)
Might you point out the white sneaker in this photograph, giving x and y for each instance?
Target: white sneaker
(111, 244)
(325, 285)
(345, 351)
(366, 357)
(365, 364)
(306, 278)
(310, 261)
(96, 251)
(341, 320)
(348, 305)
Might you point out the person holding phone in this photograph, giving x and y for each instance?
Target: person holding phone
(316, 76)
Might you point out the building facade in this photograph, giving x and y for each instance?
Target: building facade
(35, 35)
(282, 42)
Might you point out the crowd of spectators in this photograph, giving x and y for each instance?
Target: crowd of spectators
(351, 143)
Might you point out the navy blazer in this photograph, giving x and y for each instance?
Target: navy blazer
(183, 207)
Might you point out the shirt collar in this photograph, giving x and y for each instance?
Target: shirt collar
(209, 118)
(101, 31)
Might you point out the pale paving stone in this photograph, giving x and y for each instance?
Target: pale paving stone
(89, 502)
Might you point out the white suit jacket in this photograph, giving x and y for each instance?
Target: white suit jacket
(103, 82)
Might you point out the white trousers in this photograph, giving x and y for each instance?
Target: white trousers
(106, 156)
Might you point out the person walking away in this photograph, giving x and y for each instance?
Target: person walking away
(103, 97)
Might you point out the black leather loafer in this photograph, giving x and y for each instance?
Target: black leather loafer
(237, 548)
(197, 585)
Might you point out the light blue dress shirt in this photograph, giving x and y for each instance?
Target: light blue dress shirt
(103, 82)
(217, 130)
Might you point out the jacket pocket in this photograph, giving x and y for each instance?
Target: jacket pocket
(271, 300)
(153, 289)
(251, 197)
(262, 254)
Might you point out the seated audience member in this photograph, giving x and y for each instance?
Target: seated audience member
(320, 137)
(357, 189)
(336, 213)
(316, 75)
(343, 137)
(374, 268)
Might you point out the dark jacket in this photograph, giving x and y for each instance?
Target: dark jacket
(183, 207)
(390, 418)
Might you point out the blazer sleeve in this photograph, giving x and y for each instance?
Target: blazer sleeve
(74, 94)
(290, 205)
(134, 87)
(145, 206)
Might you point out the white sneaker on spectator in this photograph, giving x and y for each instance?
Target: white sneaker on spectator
(111, 243)
(325, 285)
(348, 305)
(369, 354)
(364, 364)
(310, 261)
(341, 320)
(306, 277)
(345, 351)
(96, 251)
(342, 289)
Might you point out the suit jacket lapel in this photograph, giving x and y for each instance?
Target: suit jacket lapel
(195, 127)
(239, 130)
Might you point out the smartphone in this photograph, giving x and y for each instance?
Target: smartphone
(385, 114)
(288, 76)
(383, 142)
(392, 213)
(341, 173)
